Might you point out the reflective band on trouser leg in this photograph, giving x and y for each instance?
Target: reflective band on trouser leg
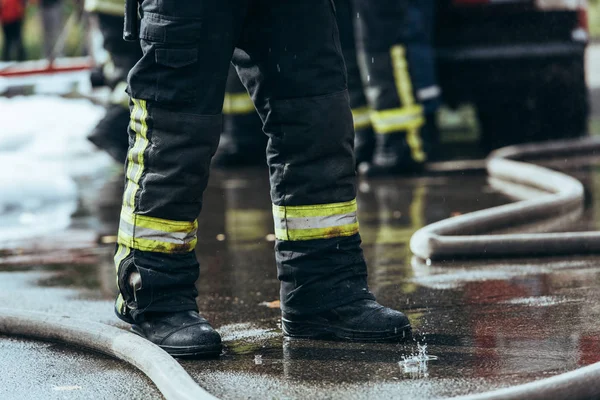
(362, 117)
(402, 120)
(318, 221)
(398, 119)
(143, 232)
(146, 233)
(238, 103)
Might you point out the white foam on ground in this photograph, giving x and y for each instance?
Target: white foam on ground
(43, 152)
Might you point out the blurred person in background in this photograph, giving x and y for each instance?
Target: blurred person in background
(398, 79)
(243, 141)
(12, 14)
(52, 24)
(396, 58)
(110, 134)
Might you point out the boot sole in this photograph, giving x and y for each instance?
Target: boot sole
(307, 330)
(205, 351)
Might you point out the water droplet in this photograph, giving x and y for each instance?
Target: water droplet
(278, 68)
(416, 364)
(357, 15)
(372, 60)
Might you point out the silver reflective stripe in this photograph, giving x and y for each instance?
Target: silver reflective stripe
(316, 222)
(155, 235)
(429, 93)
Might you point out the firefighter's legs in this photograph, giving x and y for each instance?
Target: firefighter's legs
(305, 107)
(13, 41)
(110, 134)
(242, 142)
(177, 95)
(396, 61)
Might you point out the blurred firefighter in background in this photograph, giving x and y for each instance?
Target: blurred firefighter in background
(288, 55)
(396, 130)
(12, 14)
(395, 50)
(110, 133)
(243, 141)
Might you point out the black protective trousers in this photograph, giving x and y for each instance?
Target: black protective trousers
(288, 56)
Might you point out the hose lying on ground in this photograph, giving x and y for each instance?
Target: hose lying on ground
(462, 236)
(583, 383)
(162, 369)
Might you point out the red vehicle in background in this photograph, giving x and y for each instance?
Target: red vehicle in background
(520, 62)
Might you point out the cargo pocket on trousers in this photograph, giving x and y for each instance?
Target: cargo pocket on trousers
(177, 80)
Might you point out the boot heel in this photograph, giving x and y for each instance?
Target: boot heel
(302, 330)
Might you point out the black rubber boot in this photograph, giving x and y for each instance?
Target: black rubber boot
(393, 154)
(111, 135)
(392, 157)
(360, 321)
(181, 334)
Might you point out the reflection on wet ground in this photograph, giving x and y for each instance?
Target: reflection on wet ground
(489, 323)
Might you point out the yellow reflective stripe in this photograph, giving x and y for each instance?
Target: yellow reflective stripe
(398, 119)
(318, 221)
(158, 224)
(316, 210)
(316, 233)
(143, 232)
(237, 103)
(143, 140)
(401, 76)
(362, 117)
(121, 253)
(413, 138)
(159, 246)
(407, 99)
(135, 156)
(130, 152)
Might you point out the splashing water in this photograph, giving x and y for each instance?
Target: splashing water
(416, 364)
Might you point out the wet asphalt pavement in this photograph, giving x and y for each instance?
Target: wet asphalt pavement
(490, 323)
